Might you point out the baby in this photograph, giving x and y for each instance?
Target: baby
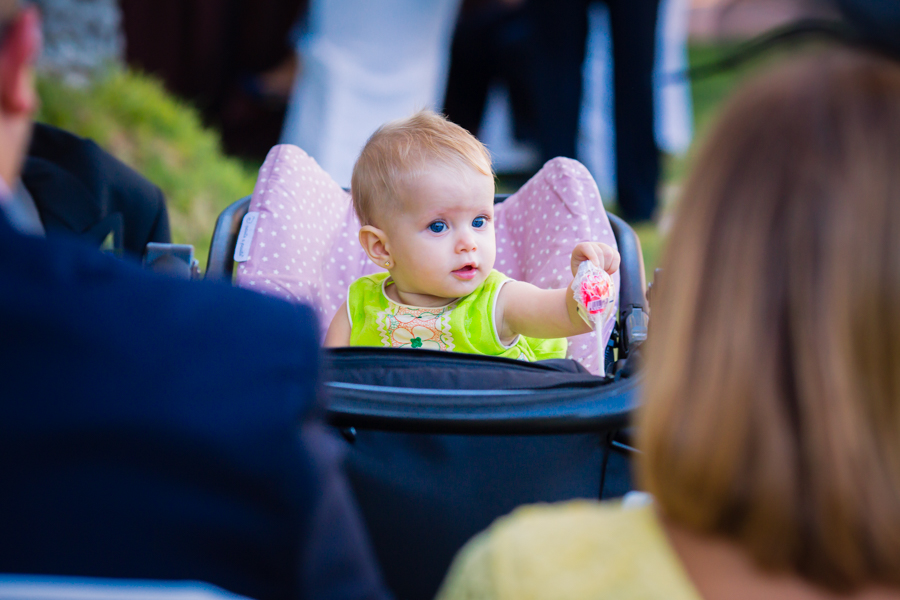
(423, 190)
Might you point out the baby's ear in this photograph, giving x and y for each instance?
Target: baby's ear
(374, 242)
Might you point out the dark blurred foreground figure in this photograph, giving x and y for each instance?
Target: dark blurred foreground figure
(770, 429)
(152, 428)
(81, 190)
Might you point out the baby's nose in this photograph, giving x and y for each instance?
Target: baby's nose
(466, 243)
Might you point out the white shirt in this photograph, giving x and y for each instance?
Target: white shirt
(19, 208)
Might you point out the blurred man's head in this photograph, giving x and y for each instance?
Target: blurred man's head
(20, 42)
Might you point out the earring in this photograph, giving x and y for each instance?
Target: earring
(387, 263)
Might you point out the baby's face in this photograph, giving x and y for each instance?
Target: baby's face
(441, 237)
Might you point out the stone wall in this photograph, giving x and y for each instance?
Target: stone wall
(81, 38)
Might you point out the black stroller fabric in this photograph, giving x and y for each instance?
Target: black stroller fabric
(428, 369)
(423, 495)
(445, 392)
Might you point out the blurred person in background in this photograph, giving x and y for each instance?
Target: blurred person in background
(70, 186)
(538, 47)
(363, 63)
(770, 426)
(152, 428)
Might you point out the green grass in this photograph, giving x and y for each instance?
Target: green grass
(651, 246)
(132, 116)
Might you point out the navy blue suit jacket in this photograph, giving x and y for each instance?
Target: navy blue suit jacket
(151, 428)
(81, 190)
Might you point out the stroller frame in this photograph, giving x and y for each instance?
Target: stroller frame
(439, 444)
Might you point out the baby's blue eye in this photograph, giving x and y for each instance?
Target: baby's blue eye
(478, 222)
(437, 226)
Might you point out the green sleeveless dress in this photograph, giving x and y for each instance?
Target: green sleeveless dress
(464, 325)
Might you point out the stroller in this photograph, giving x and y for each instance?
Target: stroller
(440, 444)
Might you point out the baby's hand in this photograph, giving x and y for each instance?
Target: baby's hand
(598, 253)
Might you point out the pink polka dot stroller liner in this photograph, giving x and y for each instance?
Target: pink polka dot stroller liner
(304, 246)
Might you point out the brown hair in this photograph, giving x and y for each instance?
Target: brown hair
(403, 150)
(772, 398)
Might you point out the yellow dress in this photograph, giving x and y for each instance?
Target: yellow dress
(578, 550)
(464, 325)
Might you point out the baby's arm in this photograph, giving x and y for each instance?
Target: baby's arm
(528, 310)
(339, 330)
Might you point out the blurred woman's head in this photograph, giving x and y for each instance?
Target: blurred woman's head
(772, 404)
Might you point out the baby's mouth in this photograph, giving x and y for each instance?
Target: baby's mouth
(466, 272)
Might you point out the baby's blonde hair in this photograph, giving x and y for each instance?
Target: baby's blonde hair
(403, 150)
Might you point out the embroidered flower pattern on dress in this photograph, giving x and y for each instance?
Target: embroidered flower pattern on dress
(409, 327)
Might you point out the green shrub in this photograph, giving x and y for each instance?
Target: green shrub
(132, 116)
